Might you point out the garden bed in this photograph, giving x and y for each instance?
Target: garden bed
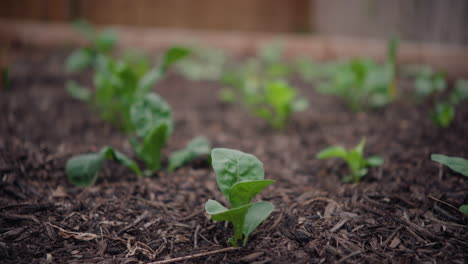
(399, 213)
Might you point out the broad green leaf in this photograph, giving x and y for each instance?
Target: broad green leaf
(83, 169)
(153, 142)
(443, 114)
(172, 55)
(257, 213)
(79, 60)
(233, 166)
(464, 209)
(457, 164)
(333, 152)
(375, 161)
(197, 147)
(77, 91)
(121, 158)
(149, 112)
(149, 80)
(242, 193)
(236, 216)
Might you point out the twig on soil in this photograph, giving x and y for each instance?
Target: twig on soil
(137, 220)
(204, 254)
(435, 199)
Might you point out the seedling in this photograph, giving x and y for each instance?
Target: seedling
(272, 100)
(122, 82)
(457, 164)
(362, 83)
(240, 177)
(277, 103)
(443, 112)
(271, 59)
(82, 170)
(354, 158)
(197, 147)
(202, 64)
(99, 43)
(152, 119)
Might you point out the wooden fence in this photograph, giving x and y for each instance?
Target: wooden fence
(442, 21)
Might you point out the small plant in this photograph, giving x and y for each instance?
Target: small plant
(277, 103)
(82, 170)
(443, 112)
(354, 158)
(99, 42)
(120, 83)
(203, 64)
(362, 83)
(240, 177)
(197, 147)
(457, 164)
(272, 100)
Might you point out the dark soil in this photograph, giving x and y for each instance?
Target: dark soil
(400, 213)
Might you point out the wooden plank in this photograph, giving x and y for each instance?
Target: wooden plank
(451, 58)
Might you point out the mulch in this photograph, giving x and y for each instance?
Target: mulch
(403, 212)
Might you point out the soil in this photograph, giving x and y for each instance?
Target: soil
(403, 212)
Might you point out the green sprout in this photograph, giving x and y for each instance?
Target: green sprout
(362, 83)
(456, 164)
(240, 176)
(99, 43)
(354, 158)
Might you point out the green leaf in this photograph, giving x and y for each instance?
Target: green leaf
(332, 152)
(173, 55)
(105, 40)
(77, 91)
(82, 170)
(233, 166)
(443, 114)
(360, 147)
(236, 216)
(84, 28)
(242, 193)
(257, 213)
(148, 80)
(79, 60)
(121, 158)
(149, 112)
(464, 209)
(153, 142)
(457, 164)
(375, 161)
(197, 147)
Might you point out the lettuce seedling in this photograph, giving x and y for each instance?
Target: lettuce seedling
(362, 83)
(151, 117)
(354, 158)
(99, 43)
(197, 147)
(122, 82)
(240, 176)
(443, 112)
(203, 64)
(277, 103)
(457, 164)
(82, 170)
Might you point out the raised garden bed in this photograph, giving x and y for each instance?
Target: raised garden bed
(400, 213)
